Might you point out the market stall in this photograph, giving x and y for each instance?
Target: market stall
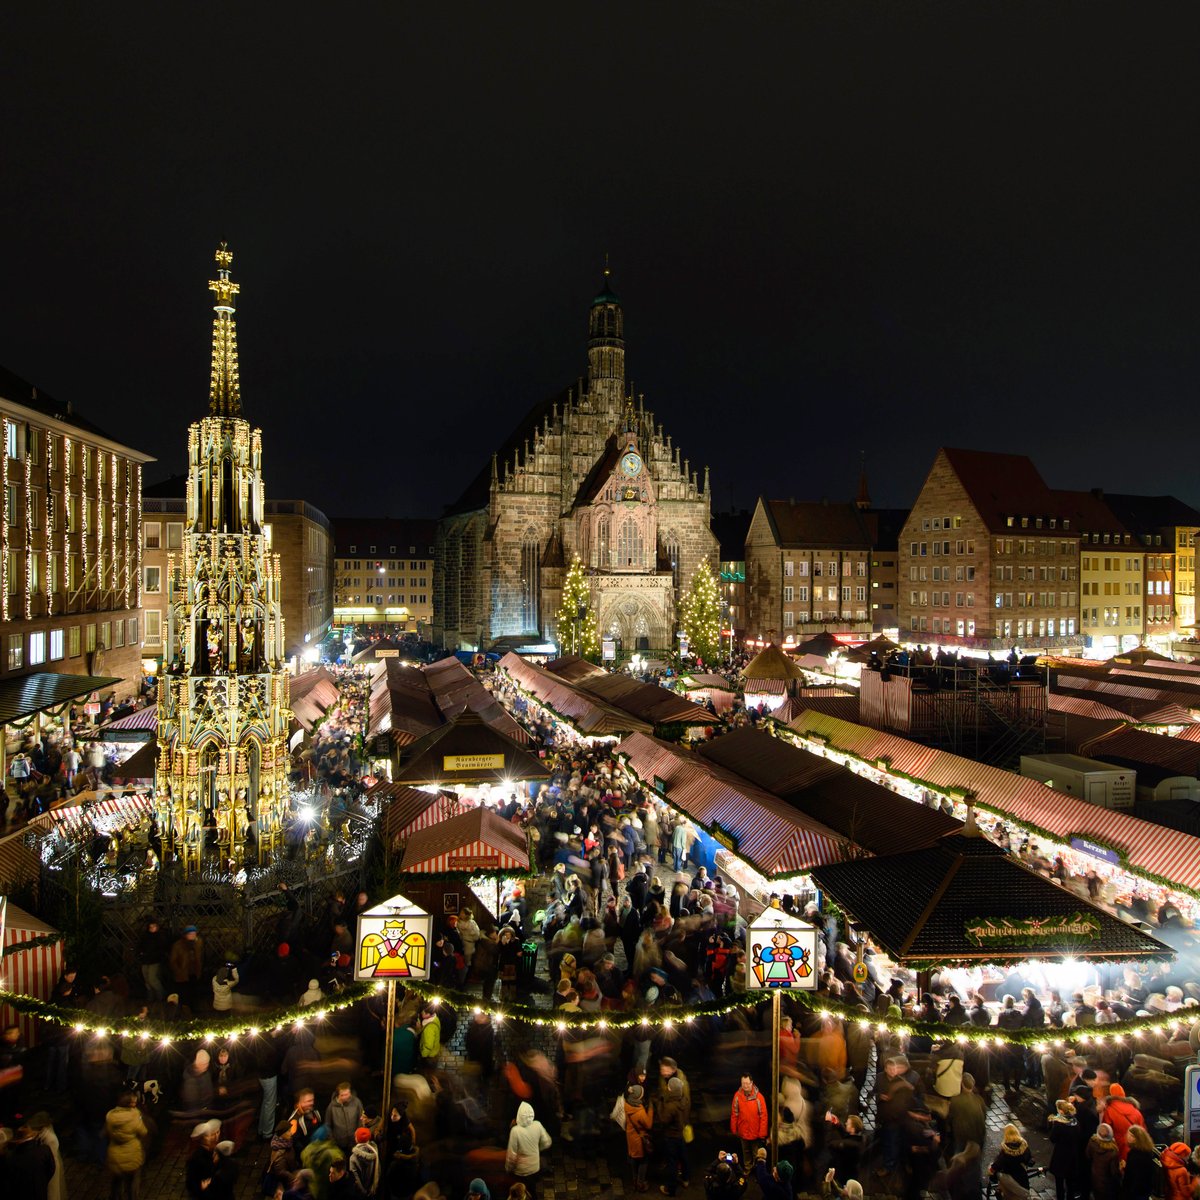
(405, 810)
(707, 688)
(32, 971)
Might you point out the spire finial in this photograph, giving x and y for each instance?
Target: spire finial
(224, 390)
(607, 272)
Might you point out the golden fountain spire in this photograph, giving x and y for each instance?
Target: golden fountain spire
(224, 389)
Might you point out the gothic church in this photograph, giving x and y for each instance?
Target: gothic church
(587, 472)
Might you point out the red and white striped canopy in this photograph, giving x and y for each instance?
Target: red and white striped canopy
(473, 842)
(30, 972)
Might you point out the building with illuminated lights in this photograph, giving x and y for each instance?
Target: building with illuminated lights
(383, 574)
(298, 532)
(223, 709)
(589, 472)
(70, 595)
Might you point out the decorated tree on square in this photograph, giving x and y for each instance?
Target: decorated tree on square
(577, 630)
(700, 614)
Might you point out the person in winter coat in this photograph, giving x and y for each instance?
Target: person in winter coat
(671, 1114)
(1137, 1171)
(1014, 1158)
(429, 1044)
(1063, 1131)
(318, 1156)
(795, 1133)
(283, 1162)
(1120, 1113)
(968, 1116)
(342, 1116)
(1177, 1178)
(1104, 1163)
(126, 1132)
(223, 983)
(469, 932)
(364, 1163)
(748, 1118)
(638, 1123)
(196, 1088)
(776, 1182)
(28, 1166)
(526, 1141)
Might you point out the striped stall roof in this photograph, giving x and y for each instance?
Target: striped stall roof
(765, 687)
(130, 809)
(645, 701)
(144, 719)
(1151, 849)
(1138, 748)
(773, 837)
(29, 972)
(1190, 734)
(474, 841)
(1186, 698)
(587, 714)
(407, 809)
(1077, 706)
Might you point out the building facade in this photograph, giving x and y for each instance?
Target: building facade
(70, 590)
(297, 531)
(591, 473)
(989, 557)
(1167, 529)
(731, 529)
(223, 710)
(383, 574)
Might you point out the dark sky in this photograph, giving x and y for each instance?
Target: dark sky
(834, 227)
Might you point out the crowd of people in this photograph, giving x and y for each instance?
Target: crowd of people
(624, 915)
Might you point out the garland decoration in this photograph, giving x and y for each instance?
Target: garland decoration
(45, 939)
(673, 1017)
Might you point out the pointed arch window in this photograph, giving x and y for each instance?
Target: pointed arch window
(603, 556)
(630, 549)
(531, 567)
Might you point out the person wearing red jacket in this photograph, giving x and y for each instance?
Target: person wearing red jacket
(748, 1118)
(1120, 1112)
(1174, 1161)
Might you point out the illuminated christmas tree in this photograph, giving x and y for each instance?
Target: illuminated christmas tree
(700, 614)
(577, 632)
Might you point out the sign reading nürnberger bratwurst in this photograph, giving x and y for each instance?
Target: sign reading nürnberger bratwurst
(1031, 930)
(473, 762)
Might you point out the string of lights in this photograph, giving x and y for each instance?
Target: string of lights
(675, 1017)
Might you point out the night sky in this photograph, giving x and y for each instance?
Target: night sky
(835, 228)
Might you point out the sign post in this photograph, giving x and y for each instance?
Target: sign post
(392, 943)
(783, 955)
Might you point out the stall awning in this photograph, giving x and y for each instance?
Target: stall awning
(966, 900)
(473, 842)
(140, 726)
(28, 694)
(1147, 848)
(97, 805)
(406, 810)
(467, 751)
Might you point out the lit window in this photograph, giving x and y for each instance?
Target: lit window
(16, 648)
(56, 644)
(37, 648)
(153, 580)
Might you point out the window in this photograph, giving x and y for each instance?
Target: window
(860, 594)
(847, 568)
(803, 569)
(832, 568)
(845, 593)
(789, 568)
(153, 535)
(56, 644)
(119, 635)
(16, 648)
(37, 648)
(789, 620)
(153, 580)
(131, 631)
(860, 569)
(73, 641)
(89, 640)
(802, 594)
(105, 635)
(788, 594)
(10, 439)
(175, 535)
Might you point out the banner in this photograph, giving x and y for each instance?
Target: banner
(783, 952)
(1031, 931)
(473, 762)
(393, 942)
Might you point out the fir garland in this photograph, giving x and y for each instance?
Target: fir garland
(45, 939)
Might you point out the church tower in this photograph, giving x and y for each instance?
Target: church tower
(223, 706)
(606, 347)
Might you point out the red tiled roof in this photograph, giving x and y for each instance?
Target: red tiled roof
(1004, 485)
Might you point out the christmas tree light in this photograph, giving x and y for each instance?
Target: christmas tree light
(700, 614)
(577, 632)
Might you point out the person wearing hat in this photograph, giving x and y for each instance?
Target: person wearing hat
(1119, 1112)
(364, 1163)
(672, 1111)
(1104, 1163)
(1176, 1159)
(478, 1190)
(775, 1182)
(638, 1123)
(196, 1087)
(223, 983)
(186, 964)
(204, 1160)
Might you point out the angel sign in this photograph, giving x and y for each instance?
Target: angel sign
(395, 952)
(783, 963)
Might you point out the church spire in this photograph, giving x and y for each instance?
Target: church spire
(863, 500)
(606, 345)
(224, 389)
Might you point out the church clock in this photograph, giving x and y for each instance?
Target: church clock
(631, 463)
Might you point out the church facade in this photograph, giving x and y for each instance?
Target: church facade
(589, 472)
